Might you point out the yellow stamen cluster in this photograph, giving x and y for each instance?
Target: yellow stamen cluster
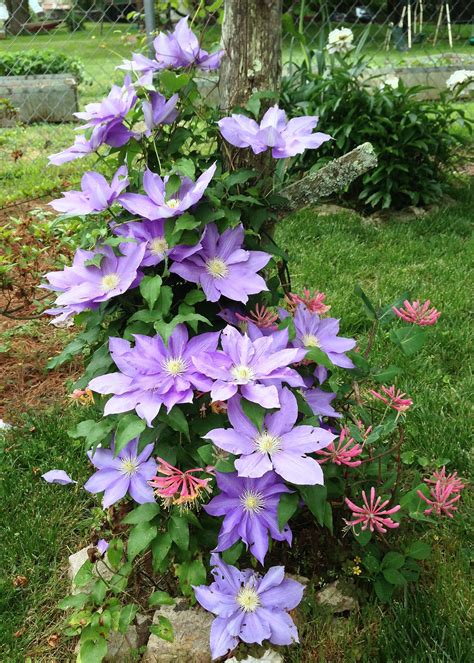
(248, 599)
(217, 268)
(110, 282)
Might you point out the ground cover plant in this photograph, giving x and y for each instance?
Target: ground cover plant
(192, 232)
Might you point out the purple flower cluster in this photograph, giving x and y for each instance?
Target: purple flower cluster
(314, 332)
(96, 194)
(249, 607)
(284, 138)
(86, 284)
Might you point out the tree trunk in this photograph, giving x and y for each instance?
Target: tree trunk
(18, 16)
(251, 37)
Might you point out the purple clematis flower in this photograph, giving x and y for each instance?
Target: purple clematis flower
(248, 606)
(142, 66)
(96, 194)
(116, 105)
(82, 147)
(87, 286)
(102, 546)
(57, 476)
(180, 48)
(312, 332)
(128, 471)
(154, 206)
(285, 138)
(153, 374)
(159, 110)
(280, 445)
(320, 402)
(222, 267)
(249, 507)
(249, 366)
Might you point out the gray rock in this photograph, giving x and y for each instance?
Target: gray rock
(191, 627)
(333, 598)
(45, 98)
(122, 648)
(77, 560)
(269, 656)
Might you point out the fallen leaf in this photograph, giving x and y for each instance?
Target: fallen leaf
(20, 581)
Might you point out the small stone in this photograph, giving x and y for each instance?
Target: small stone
(269, 656)
(191, 628)
(332, 597)
(329, 209)
(77, 560)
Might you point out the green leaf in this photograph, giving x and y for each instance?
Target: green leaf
(165, 300)
(84, 575)
(93, 650)
(362, 536)
(163, 629)
(95, 261)
(98, 592)
(179, 531)
(409, 339)
(368, 306)
(160, 547)
(194, 296)
(186, 222)
(394, 577)
(142, 514)
(93, 431)
(385, 375)
(150, 287)
(393, 560)
(115, 552)
(140, 538)
(319, 357)
(254, 412)
(74, 601)
(239, 177)
(185, 167)
(160, 598)
(315, 499)
(189, 574)
(173, 82)
(418, 550)
(127, 615)
(176, 420)
(232, 554)
(383, 589)
(371, 563)
(253, 105)
(286, 508)
(206, 452)
(129, 427)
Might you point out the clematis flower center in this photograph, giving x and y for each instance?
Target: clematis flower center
(242, 374)
(217, 268)
(129, 466)
(173, 203)
(248, 599)
(158, 246)
(311, 341)
(175, 366)
(110, 282)
(267, 443)
(252, 501)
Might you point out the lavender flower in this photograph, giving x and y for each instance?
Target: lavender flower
(158, 110)
(320, 402)
(280, 445)
(57, 476)
(180, 48)
(152, 374)
(96, 194)
(249, 507)
(111, 110)
(86, 286)
(102, 546)
(222, 267)
(128, 471)
(154, 206)
(82, 147)
(285, 138)
(249, 606)
(312, 332)
(249, 366)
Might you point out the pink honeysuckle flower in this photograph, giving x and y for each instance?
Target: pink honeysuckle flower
(393, 398)
(313, 302)
(261, 316)
(443, 500)
(372, 514)
(364, 432)
(451, 480)
(178, 487)
(417, 313)
(343, 452)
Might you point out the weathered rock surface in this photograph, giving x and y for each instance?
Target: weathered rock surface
(335, 599)
(122, 647)
(269, 656)
(191, 627)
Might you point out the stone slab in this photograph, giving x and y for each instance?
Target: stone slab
(48, 98)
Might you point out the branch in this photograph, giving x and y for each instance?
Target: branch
(332, 178)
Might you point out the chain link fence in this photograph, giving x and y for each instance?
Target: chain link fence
(69, 51)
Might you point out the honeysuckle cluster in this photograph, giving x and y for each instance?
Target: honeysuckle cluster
(211, 394)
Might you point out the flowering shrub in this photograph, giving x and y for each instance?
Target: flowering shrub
(263, 420)
(417, 141)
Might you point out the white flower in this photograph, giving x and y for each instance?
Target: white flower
(340, 40)
(389, 81)
(4, 425)
(459, 77)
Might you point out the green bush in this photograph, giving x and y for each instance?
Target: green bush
(36, 62)
(415, 139)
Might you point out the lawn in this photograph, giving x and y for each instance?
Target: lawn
(429, 257)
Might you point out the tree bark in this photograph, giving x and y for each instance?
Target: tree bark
(251, 37)
(18, 16)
